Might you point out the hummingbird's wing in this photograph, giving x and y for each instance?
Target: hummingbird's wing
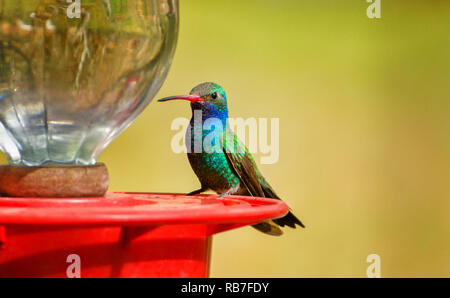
(243, 164)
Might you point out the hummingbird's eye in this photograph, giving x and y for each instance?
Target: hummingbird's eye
(214, 95)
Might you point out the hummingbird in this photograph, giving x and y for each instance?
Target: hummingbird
(229, 169)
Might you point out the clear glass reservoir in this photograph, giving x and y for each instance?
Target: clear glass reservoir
(74, 74)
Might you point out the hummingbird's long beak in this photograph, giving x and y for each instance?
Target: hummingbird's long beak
(191, 98)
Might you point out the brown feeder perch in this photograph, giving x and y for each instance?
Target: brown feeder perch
(56, 181)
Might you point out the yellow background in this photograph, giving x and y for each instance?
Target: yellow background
(364, 108)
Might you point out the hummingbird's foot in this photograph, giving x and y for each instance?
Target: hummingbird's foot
(231, 191)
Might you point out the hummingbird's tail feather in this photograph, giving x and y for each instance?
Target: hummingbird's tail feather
(289, 220)
(268, 227)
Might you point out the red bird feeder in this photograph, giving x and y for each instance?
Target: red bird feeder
(121, 234)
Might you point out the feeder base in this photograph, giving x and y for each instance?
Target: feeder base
(106, 252)
(54, 181)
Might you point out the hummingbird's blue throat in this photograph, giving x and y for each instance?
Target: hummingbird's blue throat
(211, 111)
